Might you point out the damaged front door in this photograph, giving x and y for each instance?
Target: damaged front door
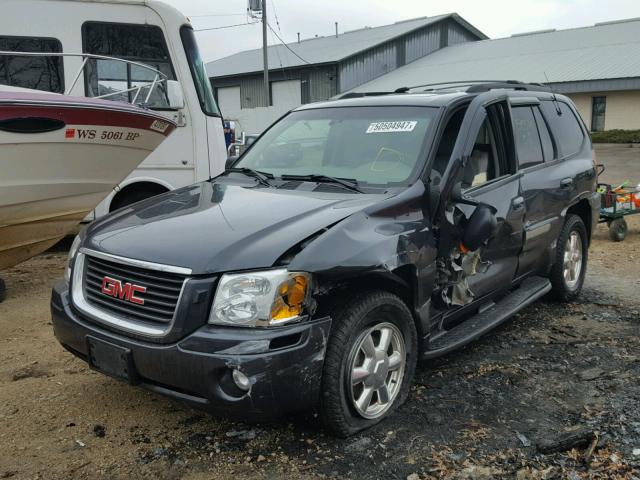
(482, 171)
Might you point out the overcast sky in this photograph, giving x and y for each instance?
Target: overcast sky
(496, 18)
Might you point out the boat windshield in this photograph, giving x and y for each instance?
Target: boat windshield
(376, 146)
(199, 73)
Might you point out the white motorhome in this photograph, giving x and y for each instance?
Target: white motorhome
(144, 31)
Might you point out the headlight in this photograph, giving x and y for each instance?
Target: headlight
(72, 254)
(260, 299)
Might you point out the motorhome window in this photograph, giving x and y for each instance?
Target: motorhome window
(199, 73)
(39, 73)
(139, 43)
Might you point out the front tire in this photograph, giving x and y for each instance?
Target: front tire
(369, 363)
(3, 291)
(570, 267)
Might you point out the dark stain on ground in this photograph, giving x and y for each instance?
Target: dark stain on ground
(477, 413)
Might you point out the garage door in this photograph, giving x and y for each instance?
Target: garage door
(286, 94)
(229, 101)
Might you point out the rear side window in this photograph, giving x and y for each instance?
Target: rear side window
(565, 127)
(526, 136)
(545, 136)
(139, 43)
(39, 73)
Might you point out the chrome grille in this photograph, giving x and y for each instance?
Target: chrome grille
(160, 298)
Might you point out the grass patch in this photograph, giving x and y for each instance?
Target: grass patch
(616, 136)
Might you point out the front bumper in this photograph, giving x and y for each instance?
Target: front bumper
(283, 364)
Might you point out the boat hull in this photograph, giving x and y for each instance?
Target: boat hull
(58, 160)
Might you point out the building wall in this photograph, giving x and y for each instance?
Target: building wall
(318, 83)
(421, 43)
(252, 92)
(366, 66)
(376, 62)
(583, 104)
(285, 95)
(622, 112)
(456, 34)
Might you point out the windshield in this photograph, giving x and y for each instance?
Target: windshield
(373, 145)
(198, 72)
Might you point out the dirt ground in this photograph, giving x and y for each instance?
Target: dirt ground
(481, 413)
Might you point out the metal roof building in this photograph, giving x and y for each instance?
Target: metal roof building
(325, 66)
(597, 66)
(605, 56)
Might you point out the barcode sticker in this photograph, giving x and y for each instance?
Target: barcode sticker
(392, 127)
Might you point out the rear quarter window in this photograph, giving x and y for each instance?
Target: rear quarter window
(565, 127)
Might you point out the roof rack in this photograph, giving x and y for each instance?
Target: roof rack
(363, 94)
(468, 86)
(477, 86)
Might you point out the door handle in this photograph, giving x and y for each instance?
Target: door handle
(517, 203)
(566, 183)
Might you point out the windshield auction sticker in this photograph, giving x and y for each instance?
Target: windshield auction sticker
(391, 127)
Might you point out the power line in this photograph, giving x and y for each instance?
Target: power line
(284, 72)
(219, 15)
(287, 46)
(225, 26)
(275, 14)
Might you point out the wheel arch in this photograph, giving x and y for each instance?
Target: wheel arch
(138, 183)
(401, 282)
(582, 209)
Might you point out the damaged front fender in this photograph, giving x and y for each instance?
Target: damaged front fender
(381, 239)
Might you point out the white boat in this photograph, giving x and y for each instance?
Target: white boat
(59, 157)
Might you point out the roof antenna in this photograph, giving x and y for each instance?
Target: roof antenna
(555, 99)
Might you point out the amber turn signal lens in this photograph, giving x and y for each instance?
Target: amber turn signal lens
(290, 301)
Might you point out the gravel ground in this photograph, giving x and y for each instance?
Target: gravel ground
(488, 411)
(478, 413)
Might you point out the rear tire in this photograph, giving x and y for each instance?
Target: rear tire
(618, 229)
(362, 381)
(570, 266)
(3, 291)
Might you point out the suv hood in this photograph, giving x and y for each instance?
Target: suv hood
(218, 227)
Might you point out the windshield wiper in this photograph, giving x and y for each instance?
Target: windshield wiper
(262, 177)
(348, 183)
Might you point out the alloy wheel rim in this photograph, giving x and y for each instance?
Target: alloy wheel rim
(572, 265)
(378, 359)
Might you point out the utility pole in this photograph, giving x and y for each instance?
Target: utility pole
(265, 55)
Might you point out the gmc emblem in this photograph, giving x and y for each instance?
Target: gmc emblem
(115, 288)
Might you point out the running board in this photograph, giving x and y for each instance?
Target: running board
(528, 292)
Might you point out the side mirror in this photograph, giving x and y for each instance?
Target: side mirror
(175, 95)
(480, 227)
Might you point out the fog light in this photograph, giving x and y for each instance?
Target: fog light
(241, 380)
